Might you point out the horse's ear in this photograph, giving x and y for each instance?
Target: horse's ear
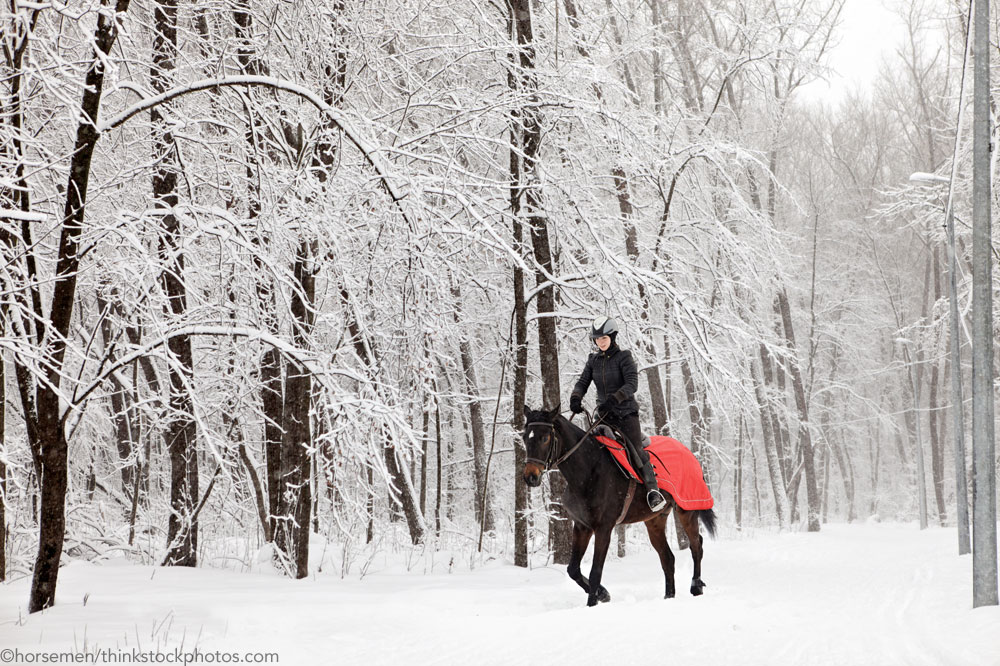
(555, 412)
(526, 411)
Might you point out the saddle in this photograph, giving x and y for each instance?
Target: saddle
(678, 471)
(604, 430)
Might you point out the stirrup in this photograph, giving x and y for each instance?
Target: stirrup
(655, 500)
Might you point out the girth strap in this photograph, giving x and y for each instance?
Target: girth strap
(628, 501)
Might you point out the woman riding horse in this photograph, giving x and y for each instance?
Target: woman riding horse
(598, 497)
(614, 373)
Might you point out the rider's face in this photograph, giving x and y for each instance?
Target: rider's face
(603, 342)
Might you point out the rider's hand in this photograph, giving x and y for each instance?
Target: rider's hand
(576, 404)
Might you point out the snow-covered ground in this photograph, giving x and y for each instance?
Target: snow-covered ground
(850, 595)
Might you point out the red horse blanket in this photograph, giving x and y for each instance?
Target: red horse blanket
(677, 470)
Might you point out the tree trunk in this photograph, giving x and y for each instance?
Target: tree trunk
(438, 456)
(481, 501)
(775, 423)
(292, 537)
(520, 344)
(3, 465)
(423, 455)
(271, 387)
(528, 187)
(847, 474)
(657, 400)
(20, 199)
(51, 437)
(258, 492)
(770, 449)
(123, 414)
(667, 384)
(825, 489)
(738, 490)
(182, 533)
(404, 496)
(694, 410)
(805, 434)
(937, 442)
(548, 342)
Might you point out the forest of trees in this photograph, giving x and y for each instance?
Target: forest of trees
(285, 273)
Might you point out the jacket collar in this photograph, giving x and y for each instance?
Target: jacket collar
(612, 350)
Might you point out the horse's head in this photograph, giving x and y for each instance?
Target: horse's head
(540, 442)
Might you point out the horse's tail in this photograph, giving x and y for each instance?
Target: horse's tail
(707, 518)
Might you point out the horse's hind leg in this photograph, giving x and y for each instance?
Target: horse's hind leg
(581, 538)
(657, 529)
(689, 521)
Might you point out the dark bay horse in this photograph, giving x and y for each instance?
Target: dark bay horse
(595, 497)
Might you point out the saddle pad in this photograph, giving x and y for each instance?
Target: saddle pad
(677, 470)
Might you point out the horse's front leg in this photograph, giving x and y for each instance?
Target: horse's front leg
(602, 540)
(581, 539)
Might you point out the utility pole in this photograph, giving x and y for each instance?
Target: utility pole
(984, 515)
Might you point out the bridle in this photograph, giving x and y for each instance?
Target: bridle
(548, 463)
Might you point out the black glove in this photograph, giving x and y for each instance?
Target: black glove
(576, 404)
(605, 409)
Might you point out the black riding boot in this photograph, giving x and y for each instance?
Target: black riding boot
(653, 495)
(629, 426)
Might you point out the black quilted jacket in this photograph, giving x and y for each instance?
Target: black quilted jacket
(612, 372)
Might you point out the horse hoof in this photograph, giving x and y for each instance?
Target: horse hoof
(697, 588)
(591, 601)
(603, 595)
(670, 594)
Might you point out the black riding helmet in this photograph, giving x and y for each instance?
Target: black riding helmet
(604, 326)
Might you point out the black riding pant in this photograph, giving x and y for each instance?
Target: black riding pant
(629, 426)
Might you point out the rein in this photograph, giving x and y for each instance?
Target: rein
(548, 463)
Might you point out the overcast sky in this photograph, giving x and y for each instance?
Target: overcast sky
(869, 31)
